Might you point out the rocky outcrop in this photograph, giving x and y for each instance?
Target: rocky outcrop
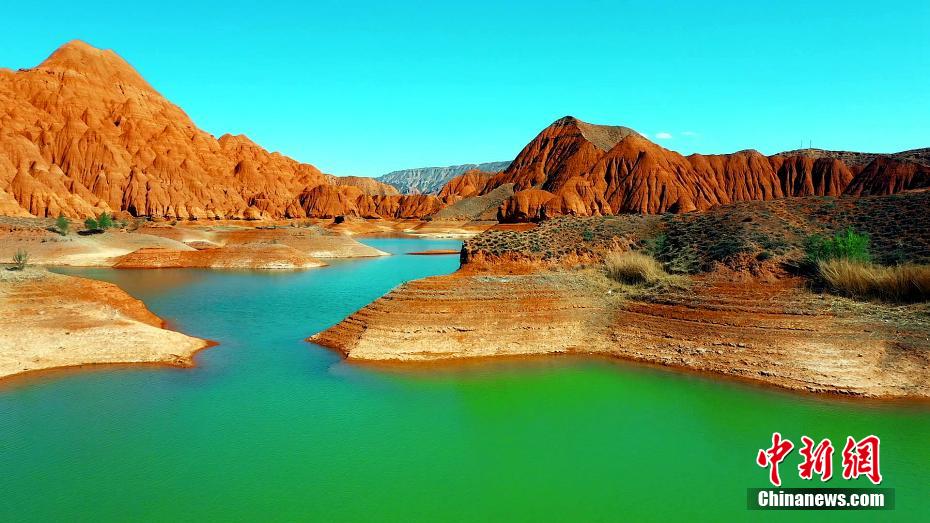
(369, 186)
(475, 208)
(49, 320)
(776, 333)
(431, 180)
(470, 183)
(525, 206)
(889, 176)
(591, 170)
(801, 175)
(460, 315)
(84, 133)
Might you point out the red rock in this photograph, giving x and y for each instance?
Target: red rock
(471, 183)
(367, 185)
(577, 197)
(808, 176)
(889, 176)
(528, 205)
(84, 133)
(593, 169)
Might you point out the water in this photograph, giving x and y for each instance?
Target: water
(270, 427)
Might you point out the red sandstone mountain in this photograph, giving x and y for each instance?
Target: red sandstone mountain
(577, 168)
(83, 133)
(369, 186)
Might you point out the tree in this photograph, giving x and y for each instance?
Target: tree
(91, 224)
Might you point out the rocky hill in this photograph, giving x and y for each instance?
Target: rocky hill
(430, 180)
(368, 185)
(83, 133)
(581, 169)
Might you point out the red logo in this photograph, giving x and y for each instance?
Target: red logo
(774, 455)
(860, 458)
(816, 460)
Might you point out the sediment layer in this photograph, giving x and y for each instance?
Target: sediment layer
(777, 333)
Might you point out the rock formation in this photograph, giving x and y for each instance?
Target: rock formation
(369, 186)
(775, 333)
(51, 320)
(84, 133)
(576, 168)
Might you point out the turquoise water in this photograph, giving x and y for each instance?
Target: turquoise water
(268, 427)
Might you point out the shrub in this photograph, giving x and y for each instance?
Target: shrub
(902, 283)
(104, 221)
(846, 245)
(62, 225)
(657, 245)
(587, 235)
(19, 260)
(634, 268)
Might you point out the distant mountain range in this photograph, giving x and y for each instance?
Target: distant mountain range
(430, 180)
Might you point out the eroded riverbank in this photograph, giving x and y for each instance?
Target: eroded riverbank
(775, 332)
(51, 320)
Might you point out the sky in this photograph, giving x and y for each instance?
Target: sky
(364, 88)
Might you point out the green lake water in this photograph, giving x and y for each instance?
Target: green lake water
(269, 427)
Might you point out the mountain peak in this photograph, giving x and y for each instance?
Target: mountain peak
(105, 65)
(604, 137)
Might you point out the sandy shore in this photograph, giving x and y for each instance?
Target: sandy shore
(50, 320)
(157, 245)
(777, 333)
(248, 256)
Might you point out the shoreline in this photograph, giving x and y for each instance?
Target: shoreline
(468, 364)
(32, 375)
(817, 349)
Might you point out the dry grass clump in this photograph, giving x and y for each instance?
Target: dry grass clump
(634, 268)
(901, 283)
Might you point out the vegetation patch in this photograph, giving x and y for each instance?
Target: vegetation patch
(864, 280)
(634, 268)
(100, 224)
(845, 245)
(62, 225)
(20, 259)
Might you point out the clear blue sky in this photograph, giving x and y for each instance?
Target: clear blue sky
(369, 87)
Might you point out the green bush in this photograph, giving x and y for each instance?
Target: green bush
(104, 221)
(846, 245)
(62, 224)
(19, 260)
